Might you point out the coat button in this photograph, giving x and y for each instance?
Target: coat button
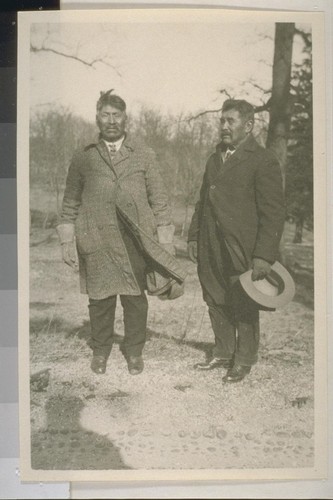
(100, 226)
(212, 186)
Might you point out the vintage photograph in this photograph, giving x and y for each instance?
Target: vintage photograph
(170, 183)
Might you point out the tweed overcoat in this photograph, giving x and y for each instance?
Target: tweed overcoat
(244, 197)
(99, 191)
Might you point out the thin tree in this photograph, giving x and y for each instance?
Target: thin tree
(279, 105)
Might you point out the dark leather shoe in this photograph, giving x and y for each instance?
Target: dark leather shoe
(98, 364)
(236, 373)
(214, 363)
(135, 364)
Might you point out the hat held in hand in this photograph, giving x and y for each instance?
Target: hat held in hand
(276, 290)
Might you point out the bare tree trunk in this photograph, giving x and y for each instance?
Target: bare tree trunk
(57, 194)
(185, 219)
(298, 237)
(279, 122)
(280, 109)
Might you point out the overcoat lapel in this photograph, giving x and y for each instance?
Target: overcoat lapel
(120, 160)
(218, 159)
(118, 164)
(241, 154)
(222, 167)
(104, 152)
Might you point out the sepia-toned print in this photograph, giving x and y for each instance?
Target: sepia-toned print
(170, 326)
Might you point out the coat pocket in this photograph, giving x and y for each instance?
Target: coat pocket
(86, 244)
(88, 239)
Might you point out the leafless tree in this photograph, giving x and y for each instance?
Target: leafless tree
(53, 45)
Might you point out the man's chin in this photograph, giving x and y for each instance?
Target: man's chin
(226, 139)
(112, 137)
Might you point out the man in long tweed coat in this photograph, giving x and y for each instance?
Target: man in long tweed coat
(237, 225)
(116, 227)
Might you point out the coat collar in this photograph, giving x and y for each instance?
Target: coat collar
(249, 144)
(122, 154)
(245, 148)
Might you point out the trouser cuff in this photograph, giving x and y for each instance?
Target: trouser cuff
(132, 351)
(98, 351)
(221, 355)
(239, 360)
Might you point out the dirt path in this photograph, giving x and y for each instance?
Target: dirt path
(170, 416)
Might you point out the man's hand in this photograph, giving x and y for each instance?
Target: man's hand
(69, 255)
(261, 268)
(169, 247)
(192, 250)
(66, 233)
(165, 238)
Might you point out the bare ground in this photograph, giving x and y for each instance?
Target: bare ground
(170, 416)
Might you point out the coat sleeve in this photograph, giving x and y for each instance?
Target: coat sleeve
(156, 192)
(193, 231)
(270, 208)
(73, 191)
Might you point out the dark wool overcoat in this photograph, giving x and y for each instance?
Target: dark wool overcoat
(240, 215)
(99, 191)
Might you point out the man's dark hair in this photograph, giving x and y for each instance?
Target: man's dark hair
(244, 108)
(107, 98)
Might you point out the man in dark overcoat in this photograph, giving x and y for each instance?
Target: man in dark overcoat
(115, 226)
(237, 225)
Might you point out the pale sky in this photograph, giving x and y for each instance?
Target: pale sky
(172, 67)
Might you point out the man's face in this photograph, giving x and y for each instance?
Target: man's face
(111, 123)
(234, 128)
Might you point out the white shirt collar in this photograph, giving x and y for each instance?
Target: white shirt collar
(228, 152)
(117, 144)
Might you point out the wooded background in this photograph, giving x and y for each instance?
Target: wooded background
(182, 143)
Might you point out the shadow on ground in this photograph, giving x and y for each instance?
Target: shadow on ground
(43, 326)
(65, 445)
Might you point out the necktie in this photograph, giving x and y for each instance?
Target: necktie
(228, 153)
(112, 149)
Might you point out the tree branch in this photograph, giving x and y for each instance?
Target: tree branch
(263, 36)
(208, 111)
(257, 109)
(201, 114)
(263, 107)
(258, 87)
(91, 64)
(306, 37)
(225, 92)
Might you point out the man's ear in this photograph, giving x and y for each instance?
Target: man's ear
(249, 126)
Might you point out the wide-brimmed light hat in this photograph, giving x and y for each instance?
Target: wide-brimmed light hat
(274, 291)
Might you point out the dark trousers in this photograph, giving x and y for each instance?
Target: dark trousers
(102, 314)
(135, 308)
(236, 327)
